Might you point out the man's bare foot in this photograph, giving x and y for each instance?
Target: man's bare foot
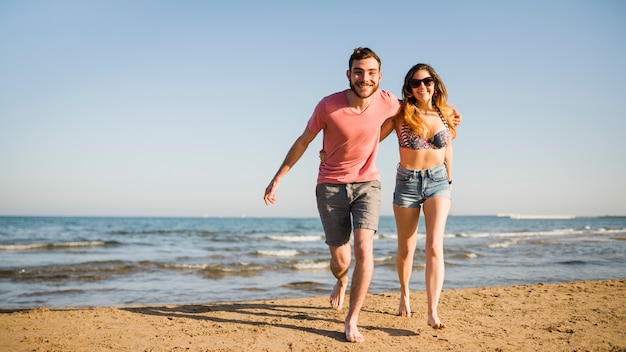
(404, 310)
(337, 295)
(353, 334)
(435, 323)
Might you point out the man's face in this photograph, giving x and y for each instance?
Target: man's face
(364, 77)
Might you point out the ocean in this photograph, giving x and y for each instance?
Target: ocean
(100, 261)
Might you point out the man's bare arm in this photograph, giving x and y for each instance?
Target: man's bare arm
(295, 153)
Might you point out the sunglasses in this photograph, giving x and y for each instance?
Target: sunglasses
(415, 83)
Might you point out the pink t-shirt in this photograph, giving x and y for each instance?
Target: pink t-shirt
(351, 140)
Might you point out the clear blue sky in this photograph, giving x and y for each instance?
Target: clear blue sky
(187, 108)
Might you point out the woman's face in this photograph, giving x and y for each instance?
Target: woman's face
(422, 86)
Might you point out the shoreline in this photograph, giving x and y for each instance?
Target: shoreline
(580, 315)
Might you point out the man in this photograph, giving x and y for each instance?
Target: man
(348, 183)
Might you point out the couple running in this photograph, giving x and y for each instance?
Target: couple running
(348, 184)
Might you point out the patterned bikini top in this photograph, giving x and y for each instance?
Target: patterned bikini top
(408, 138)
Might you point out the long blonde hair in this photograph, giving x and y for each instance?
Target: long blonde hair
(410, 113)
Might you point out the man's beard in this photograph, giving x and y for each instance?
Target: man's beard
(353, 89)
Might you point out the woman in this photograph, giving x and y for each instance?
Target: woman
(425, 128)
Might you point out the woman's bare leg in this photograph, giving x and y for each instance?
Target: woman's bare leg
(436, 211)
(406, 223)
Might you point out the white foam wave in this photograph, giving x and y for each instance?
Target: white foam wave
(504, 244)
(278, 253)
(385, 236)
(383, 259)
(310, 265)
(188, 266)
(556, 232)
(602, 231)
(308, 238)
(55, 245)
(245, 267)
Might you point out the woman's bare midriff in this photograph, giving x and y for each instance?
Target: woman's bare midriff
(421, 159)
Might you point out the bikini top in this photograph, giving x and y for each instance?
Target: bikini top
(408, 138)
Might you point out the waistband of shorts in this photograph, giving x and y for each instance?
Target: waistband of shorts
(421, 172)
(349, 183)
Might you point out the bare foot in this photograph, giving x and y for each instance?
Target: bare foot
(353, 334)
(435, 323)
(404, 310)
(337, 295)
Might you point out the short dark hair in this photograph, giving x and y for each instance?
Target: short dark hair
(361, 54)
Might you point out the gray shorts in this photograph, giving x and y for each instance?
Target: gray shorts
(342, 205)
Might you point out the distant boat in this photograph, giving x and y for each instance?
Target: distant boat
(532, 216)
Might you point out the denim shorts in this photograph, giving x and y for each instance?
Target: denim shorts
(414, 187)
(342, 205)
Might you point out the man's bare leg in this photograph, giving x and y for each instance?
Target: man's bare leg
(361, 280)
(338, 295)
(340, 258)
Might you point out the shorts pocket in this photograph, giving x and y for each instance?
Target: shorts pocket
(403, 177)
(439, 174)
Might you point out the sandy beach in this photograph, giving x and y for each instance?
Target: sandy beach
(577, 316)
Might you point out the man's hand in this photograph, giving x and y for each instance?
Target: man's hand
(456, 117)
(269, 192)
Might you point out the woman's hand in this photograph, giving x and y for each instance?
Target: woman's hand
(323, 156)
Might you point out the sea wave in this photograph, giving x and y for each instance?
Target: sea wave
(306, 238)
(385, 236)
(55, 292)
(463, 255)
(86, 271)
(384, 259)
(278, 252)
(310, 265)
(504, 244)
(241, 269)
(54, 245)
(523, 233)
(187, 266)
(609, 231)
(218, 270)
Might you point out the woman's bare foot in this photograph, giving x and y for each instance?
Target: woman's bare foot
(353, 334)
(404, 309)
(337, 296)
(435, 322)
